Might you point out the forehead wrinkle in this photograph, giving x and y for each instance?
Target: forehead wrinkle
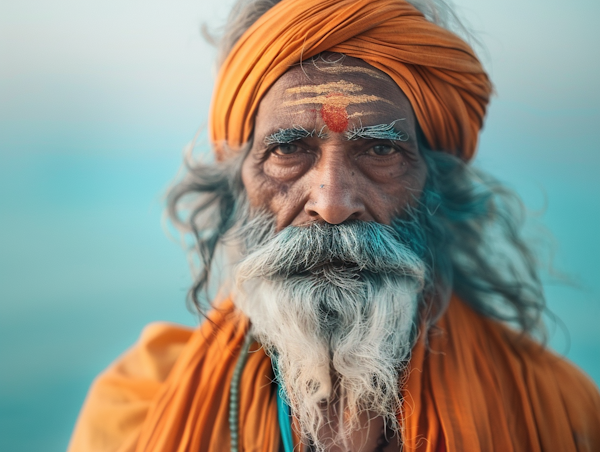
(351, 70)
(337, 101)
(341, 85)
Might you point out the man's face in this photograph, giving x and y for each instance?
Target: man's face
(334, 142)
(334, 294)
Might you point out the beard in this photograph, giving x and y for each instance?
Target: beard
(336, 307)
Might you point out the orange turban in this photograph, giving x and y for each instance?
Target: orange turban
(438, 72)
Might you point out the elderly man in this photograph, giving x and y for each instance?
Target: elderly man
(375, 273)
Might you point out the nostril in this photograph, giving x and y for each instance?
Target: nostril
(334, 203)
(355, 216)
(312, 213)
(332, 214)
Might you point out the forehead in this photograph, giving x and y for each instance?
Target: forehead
(346, 88)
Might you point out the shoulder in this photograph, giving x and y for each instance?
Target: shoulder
(154, 354)
(119, 398)
(500, 345)
(559, 383)
(536, 361)
(544, 389)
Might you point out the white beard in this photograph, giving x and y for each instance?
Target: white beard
(340, 336)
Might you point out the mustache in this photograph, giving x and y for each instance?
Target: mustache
(357, 246)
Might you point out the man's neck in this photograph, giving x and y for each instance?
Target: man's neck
(372, 436)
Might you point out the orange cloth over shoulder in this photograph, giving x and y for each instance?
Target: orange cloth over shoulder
(439, 72)
(170, 393)
(478, 387)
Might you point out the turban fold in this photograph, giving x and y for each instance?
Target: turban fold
(438, 71)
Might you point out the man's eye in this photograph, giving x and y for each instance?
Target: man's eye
(382, 149)
(285, 149)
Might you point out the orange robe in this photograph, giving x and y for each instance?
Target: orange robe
(477, 386)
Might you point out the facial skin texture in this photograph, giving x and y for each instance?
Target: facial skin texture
(334, 140)
(323, 175)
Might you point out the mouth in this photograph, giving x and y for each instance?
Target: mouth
(333, 264)
(326, 268)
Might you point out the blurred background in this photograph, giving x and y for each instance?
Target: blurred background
(97, 101)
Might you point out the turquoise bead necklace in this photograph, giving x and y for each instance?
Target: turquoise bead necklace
(234, 401)
(283, 409)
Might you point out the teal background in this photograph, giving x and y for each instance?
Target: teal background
(98, 99)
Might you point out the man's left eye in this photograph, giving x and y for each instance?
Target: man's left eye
(382, 149)
(285, 149)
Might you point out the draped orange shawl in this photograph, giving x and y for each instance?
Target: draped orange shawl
(439, 72)
(478, 386)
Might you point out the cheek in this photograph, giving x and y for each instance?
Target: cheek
(285, 169)
(410, 187)
(263, 189)
(251, 178)
(384, 171)
(393, 187)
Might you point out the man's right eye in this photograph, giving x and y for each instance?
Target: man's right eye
(285, 149)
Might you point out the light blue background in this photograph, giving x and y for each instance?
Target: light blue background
(97, 100)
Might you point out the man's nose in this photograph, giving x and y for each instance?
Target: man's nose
(334, 193)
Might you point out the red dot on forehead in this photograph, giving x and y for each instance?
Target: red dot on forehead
(334, 113)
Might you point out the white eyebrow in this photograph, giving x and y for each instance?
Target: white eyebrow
(377, 132)
(283, 136)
